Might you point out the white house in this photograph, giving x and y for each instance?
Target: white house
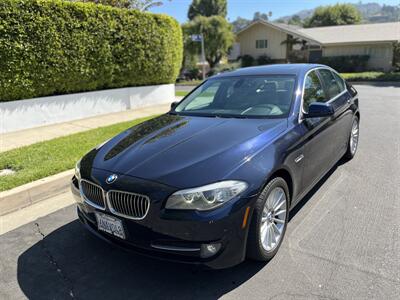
(267, 38)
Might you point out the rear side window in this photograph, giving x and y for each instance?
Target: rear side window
(333, 86)
(340, 81)
(313, 91)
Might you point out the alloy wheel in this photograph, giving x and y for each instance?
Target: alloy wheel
(273, 219)
(354, 137)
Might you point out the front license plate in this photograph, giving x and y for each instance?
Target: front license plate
(110, 225)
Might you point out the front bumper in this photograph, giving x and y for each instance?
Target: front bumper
(178, 236)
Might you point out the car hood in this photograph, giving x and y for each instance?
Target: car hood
(184, 151)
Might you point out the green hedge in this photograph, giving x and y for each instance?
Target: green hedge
(52, 47)
(346, 63)
(372, 76)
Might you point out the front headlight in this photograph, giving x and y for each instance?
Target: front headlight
(78, 170)
(206, 197)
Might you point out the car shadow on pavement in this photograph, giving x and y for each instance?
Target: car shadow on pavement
(70, 263)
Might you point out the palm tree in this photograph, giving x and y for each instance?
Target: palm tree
(290, 42)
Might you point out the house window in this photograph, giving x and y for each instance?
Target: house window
(261, 44)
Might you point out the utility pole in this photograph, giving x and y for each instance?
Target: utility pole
(203, 57)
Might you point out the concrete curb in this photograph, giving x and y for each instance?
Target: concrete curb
(34, 192)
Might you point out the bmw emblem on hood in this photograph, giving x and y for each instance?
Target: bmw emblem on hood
(110, 179)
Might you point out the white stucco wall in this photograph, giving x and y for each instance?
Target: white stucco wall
(29, 113)
(380, 55)
(275, 50)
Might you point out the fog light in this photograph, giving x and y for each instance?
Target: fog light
(208, 250)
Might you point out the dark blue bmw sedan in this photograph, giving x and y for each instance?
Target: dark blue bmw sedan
(212, 181)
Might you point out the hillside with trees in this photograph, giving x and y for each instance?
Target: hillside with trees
(370, 13)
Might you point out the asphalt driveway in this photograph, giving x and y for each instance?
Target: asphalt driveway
(343, 240)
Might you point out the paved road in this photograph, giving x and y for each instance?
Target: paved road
(343, 240)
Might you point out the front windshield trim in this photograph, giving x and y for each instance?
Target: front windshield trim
(227, 116)
(241, 116)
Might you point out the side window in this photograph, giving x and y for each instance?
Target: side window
(313, 91)
(261, 44)
(332, 85)
(340, 81)
(205, 97)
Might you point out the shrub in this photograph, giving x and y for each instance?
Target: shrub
(351, 63)
(264, 60)
(372, 76)
(227, 67)
(55, 47)
(247, 60)
(193, 73)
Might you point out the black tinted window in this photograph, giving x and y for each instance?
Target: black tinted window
(332, 85)
(313, 91)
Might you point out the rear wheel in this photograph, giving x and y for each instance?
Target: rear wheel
(352, 144)
(268, 225)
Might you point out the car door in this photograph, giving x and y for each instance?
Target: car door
(320, 148)
(340, 99)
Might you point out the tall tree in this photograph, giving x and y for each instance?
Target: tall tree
(295, 20)
(262, 16)
(218, 37)
(133, 4)
(339, 14)
(207, 8)
(240, 23)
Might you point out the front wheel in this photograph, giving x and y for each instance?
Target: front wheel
(268, 225)
(353, 139)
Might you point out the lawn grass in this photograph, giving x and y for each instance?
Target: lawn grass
(372, 76)
(47, 158)
(181, 93)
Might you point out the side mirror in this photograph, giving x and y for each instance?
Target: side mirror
(174, 104)
(319, 109)
(353, 92)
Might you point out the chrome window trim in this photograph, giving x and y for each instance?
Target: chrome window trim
(86, 200)
(113, 211)
(301, 110)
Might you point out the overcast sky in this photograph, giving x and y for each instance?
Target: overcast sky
(246, 8)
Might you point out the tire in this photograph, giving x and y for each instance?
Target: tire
(352, 143)
(257, 242)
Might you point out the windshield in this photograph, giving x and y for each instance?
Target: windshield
(243, 96)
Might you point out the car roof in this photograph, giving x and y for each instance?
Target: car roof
(278, 69)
